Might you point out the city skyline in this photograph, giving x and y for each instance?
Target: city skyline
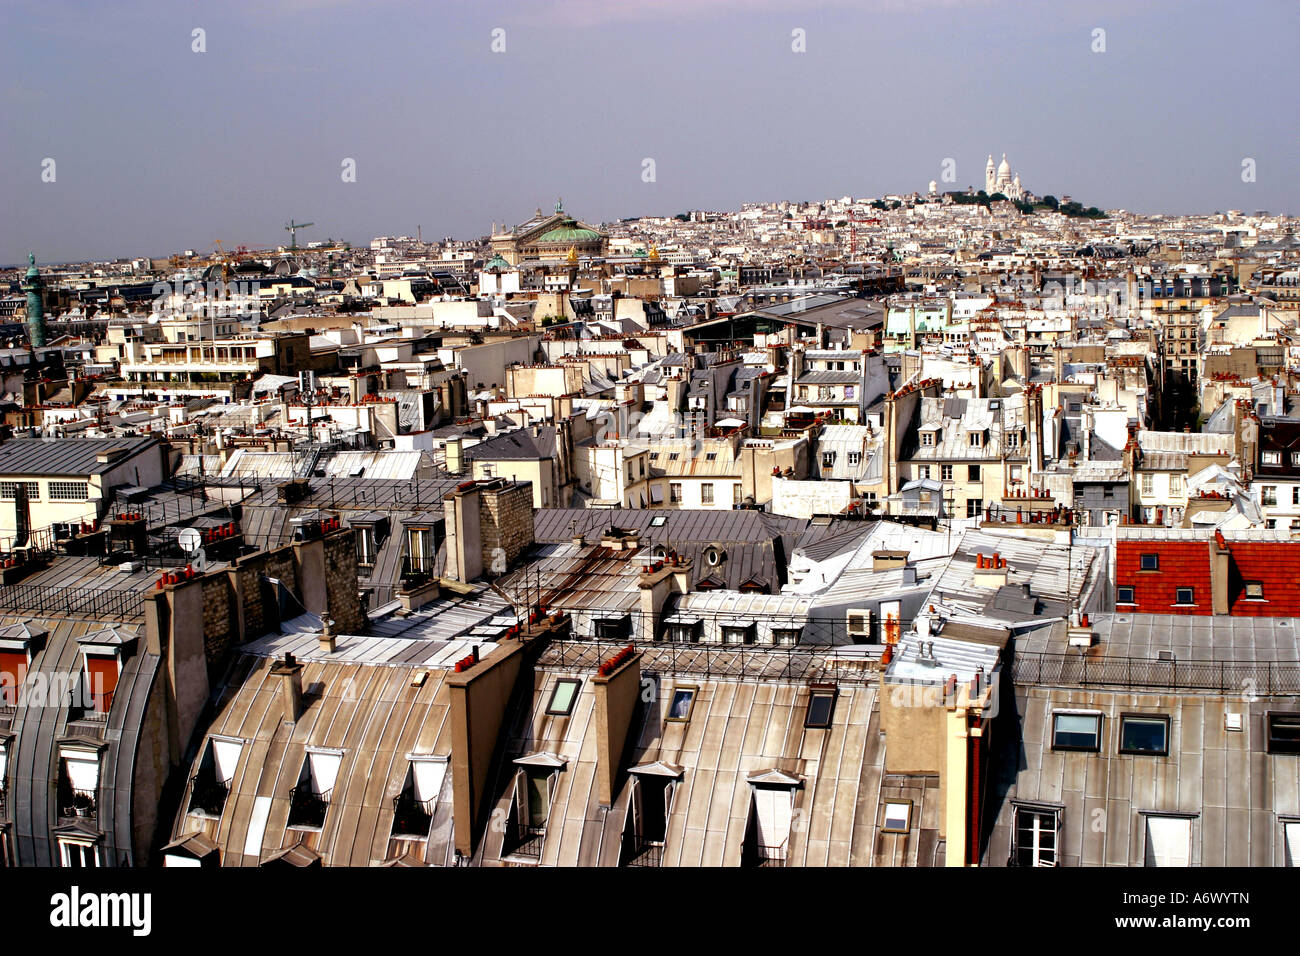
(233, 141)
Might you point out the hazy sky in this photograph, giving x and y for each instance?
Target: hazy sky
(158, 148)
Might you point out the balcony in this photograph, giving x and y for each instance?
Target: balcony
(770, 855)
(307, 808)
(416, 572)
(76, 806)
(208, 795)
(651, 854)
(412, 817)
(528, 841)
(4, 799)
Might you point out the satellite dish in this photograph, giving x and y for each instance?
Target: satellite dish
(190, 540)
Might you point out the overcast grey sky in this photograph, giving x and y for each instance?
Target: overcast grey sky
(157, 148)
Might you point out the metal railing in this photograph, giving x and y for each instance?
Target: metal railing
(717, 660)
(4, 799)
(651, 854)
(416, 571)
(770, 855)
(76, 805)
(102, 603)
(208, 795)
(528, 841)
(412, 817)
(1265, 678)
(307, 808)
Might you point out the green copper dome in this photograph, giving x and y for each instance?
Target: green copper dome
(569, 233)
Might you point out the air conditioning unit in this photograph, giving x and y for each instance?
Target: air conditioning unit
(130, 567)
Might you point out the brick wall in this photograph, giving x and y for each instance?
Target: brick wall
(341, 582)
(506, 518)
(1182, 564)
(255, 593)
(219, 626)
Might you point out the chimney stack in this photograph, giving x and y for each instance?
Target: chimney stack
(290, 673)
(327, 639)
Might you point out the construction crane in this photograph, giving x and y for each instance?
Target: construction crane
(292, 228)
(853, 230)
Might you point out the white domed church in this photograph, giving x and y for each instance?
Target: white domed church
(1000, 180)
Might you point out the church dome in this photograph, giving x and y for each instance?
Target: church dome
(1004, 170)
(569, 233)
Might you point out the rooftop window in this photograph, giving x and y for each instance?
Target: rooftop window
(898, 816)
(1075, 731)
(210, 786)
(563, 697)
(309, 801)
(821, 707)
(1144, 734)
(1168, 841)
(681, 703)
(1284, 732)
(1035, 836)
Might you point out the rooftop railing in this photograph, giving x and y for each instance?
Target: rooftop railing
(718, 660)
(102, 603)
(1264, 678)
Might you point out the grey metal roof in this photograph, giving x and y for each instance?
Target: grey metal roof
(34, 755)
(66, 456)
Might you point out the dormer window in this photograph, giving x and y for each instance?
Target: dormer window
(413, 807)
(771, 811)
(530, 810)
(78, 784)
(420, 550)
(371, 531)
(309, 801)
(646, 829)
(927, 438)
(103, 652)
(210, 785)
(975, 439)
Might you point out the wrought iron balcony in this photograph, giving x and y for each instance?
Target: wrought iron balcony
(528, 841)
(411, 817)
(770, 855)
(307, 808)
(416, 571)
(650, 854)
(76, 805)
(208, 795)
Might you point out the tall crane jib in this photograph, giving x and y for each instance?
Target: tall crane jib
(292, 228)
